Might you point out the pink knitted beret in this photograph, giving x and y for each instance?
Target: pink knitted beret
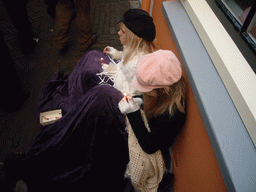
(157, 70)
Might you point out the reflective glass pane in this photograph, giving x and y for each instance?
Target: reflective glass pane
(252, 29)
(239, 8)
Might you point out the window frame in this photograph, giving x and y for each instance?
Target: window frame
(242, 27)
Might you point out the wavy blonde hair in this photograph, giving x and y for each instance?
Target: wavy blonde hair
(171, 98)
(136, 45)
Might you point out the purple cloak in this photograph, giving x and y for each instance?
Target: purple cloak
(86, 148)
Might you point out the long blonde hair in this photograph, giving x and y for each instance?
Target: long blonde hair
(136, 45)
(171, 98)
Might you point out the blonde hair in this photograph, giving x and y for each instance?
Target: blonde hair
(171, 98)
(136, 45)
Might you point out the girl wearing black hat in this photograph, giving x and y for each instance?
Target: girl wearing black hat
(137, 34)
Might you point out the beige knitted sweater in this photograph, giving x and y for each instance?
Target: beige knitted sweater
(145, 170)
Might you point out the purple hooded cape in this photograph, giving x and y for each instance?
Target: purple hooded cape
(87, 147)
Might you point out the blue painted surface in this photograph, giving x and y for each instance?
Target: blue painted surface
(235, 152)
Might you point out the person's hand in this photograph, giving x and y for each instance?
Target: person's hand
(129, 104)
(106, 50)
(138, 101)
(102, 61)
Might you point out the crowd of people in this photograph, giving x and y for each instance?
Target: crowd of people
(121, 112)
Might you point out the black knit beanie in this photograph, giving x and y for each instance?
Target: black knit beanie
(140, 23)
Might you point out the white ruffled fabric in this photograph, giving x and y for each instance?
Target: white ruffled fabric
(121, 74)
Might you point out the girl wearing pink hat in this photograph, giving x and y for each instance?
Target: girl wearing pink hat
(159, 77)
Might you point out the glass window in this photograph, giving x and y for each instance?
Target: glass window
(238, 8)
(252, 28)
(250, 19)
(242, 14)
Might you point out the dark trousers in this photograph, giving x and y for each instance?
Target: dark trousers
(65, 10)
(13, 95)
(17, 10)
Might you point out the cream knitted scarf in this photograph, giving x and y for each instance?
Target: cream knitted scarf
(145, 170)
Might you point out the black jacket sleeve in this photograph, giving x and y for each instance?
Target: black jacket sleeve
(164, 130)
